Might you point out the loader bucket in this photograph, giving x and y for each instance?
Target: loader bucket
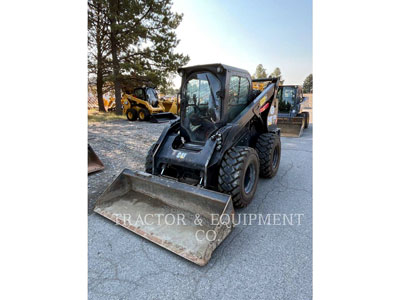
(291, 127)
(187, 220)
(162, 117)
(94, 163)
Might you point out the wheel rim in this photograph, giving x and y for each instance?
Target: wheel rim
(275, 158)
(130, 115)
(141, 114)
(249, 178)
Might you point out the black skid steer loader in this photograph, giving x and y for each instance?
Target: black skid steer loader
(203, 164)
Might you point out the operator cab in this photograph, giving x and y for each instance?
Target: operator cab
(289, 97)
(210, 98)
(147, 94)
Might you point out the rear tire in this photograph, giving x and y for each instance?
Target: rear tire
(131, 114)
(148, 166)
(144, 114)
(307, 119)
(238, 175)
(268, 147)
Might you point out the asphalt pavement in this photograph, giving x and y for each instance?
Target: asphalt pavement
(267, 261)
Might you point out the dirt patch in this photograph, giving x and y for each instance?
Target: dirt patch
(119, 144)
(309, 105)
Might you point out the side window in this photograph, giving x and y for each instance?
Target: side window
(234, 90)
(139, 94)
(243, 90)
(238, 96)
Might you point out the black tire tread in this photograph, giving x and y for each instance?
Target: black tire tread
(265, 146)
(146, 114)
(134, 113)
(148, 166)
(229, 173)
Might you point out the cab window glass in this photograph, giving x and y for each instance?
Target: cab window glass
(201, 106)
(238, 96)
(139, 94)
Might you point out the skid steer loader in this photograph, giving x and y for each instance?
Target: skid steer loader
(203, 164)
(143, 103)
(291, 118)
(94, 162)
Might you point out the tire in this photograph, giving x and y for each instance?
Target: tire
(144, 114)
(307, 119)
(131, 114)
(148, 166)
(268, 147)
(238, 175)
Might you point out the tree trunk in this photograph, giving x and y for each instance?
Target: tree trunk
(99, 79)
(100, 82)
(115, 59)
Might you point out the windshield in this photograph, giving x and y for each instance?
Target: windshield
(152, 97)
(286, 96)
(200, 106)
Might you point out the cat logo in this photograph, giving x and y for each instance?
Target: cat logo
(181, 155)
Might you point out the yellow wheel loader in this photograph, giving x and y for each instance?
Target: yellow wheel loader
(204, 164)
(143, 104)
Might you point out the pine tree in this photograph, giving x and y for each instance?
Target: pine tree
(276, 73)
(261, 72)
(98, 45)
(308, 84)
(142, 38)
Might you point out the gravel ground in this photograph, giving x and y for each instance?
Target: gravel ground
(254, 262)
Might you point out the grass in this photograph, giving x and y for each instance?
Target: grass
(96, 116)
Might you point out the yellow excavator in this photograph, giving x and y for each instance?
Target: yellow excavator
(142, 103)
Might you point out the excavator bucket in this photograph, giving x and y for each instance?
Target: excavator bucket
(291, 127)
(94, 163)
(187, 220)
(162, 117)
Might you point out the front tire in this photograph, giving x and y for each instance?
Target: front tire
(268, 147)
(306, 118)
(238, 175)
(148, 166)
(144, 114)
(131, 114)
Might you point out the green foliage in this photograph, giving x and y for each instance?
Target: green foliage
(276, 73)
(261, 72)
(146, 39)
(133, 41)
(169, 91)
(308, 84)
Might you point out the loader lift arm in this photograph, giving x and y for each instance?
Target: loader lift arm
(202, 173)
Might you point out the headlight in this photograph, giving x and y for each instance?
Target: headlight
(293, 111)
(126, 102)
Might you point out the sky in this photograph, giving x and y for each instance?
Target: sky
(245, 33)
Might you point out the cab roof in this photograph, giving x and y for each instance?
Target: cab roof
(212, 66)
